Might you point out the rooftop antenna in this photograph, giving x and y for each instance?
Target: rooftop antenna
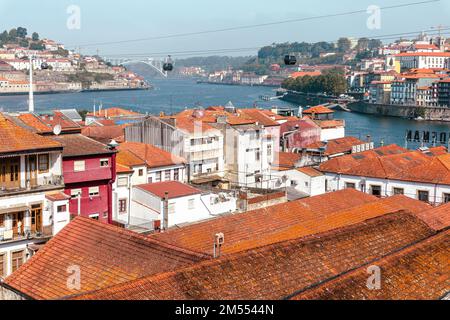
(31, 93)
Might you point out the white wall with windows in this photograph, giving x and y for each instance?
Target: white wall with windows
(431, 193)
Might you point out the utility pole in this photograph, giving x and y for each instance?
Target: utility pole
(31, 93)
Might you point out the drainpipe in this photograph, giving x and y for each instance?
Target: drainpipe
(166, 211)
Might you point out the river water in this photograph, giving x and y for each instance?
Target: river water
(176, 95)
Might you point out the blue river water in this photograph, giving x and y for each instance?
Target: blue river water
(172, 96)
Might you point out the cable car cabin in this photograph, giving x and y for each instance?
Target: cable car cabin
(44, 66)
(290, 60)
(167, 66)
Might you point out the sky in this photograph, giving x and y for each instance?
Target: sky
(111, 20)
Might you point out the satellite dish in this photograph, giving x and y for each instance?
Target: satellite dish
(57, 130)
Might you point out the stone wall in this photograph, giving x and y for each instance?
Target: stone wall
(8, 294)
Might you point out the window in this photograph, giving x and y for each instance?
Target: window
(75, 192)
(171, 208)
(60, 209)
(44, 163)
(445, 198)
(176, 174)
(376, 190)
(105, 215)
(398, 191)
(2, 220)
(79, 166)
(191, 204)
(95, 216)
(158, 176)
(258, 155)
(104, 163)
(94, 192)
(123, 206)
(122, 182)
(141, 172)
(423, 196)
(349, 185)
(17, 260)
(2, 265)
(167, 175)
(150, 180)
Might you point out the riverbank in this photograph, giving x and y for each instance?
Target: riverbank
(237, 84)
(25, 93)
(441, 114)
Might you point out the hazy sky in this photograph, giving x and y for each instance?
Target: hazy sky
(103, 21)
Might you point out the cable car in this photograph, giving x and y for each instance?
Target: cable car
(168, 65)
(44, 66)
(290, 60)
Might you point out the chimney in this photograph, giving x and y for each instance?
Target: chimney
(166, 212)
(218, 243)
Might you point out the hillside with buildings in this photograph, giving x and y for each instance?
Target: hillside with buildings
(56, 69)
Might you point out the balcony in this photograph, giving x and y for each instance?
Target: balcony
(11, 235)
(47, 184)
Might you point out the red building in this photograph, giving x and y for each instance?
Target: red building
(89, 173)
(298, 134)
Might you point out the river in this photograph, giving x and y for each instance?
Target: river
(176, 95)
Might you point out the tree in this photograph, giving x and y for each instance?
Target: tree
(4, 37)
(375, 44)
(344, 45)
(35, 36)
(21, 32)
(363, 44)
(12, 35)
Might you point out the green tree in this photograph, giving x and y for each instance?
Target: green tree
(363, 44)
(344, 45)
(12, 35)
(21, 32)
(35, 36)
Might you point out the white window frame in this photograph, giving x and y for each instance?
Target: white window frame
(94, 192)
(79, 166)
(191, 204)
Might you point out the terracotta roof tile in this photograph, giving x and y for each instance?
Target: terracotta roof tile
(337, 146)
(420, 272)
(14, 138)
(78, 145)
(310, 171)
(250, 229)
(114, 113)
(437, 218)
(150, 155)
(277, 271)
(318, 110)
(106, 256)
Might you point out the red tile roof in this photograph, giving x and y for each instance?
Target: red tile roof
(76, 145)
(57, 196)
(318, 110)
(35, 122)
(241, 229)
(337, 146)
(148, 154)
(437, 218)
(14, 138)
(280, 270)
(299, 74)
(175, 189)
(104, 134)
(114, 113)
(106, 256)
(398, 165)
(286, 160)
(260, 116)
(310, 171)
(420, 272)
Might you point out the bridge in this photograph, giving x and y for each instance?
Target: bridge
(156, 64)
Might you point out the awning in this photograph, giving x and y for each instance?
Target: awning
(14, 209)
